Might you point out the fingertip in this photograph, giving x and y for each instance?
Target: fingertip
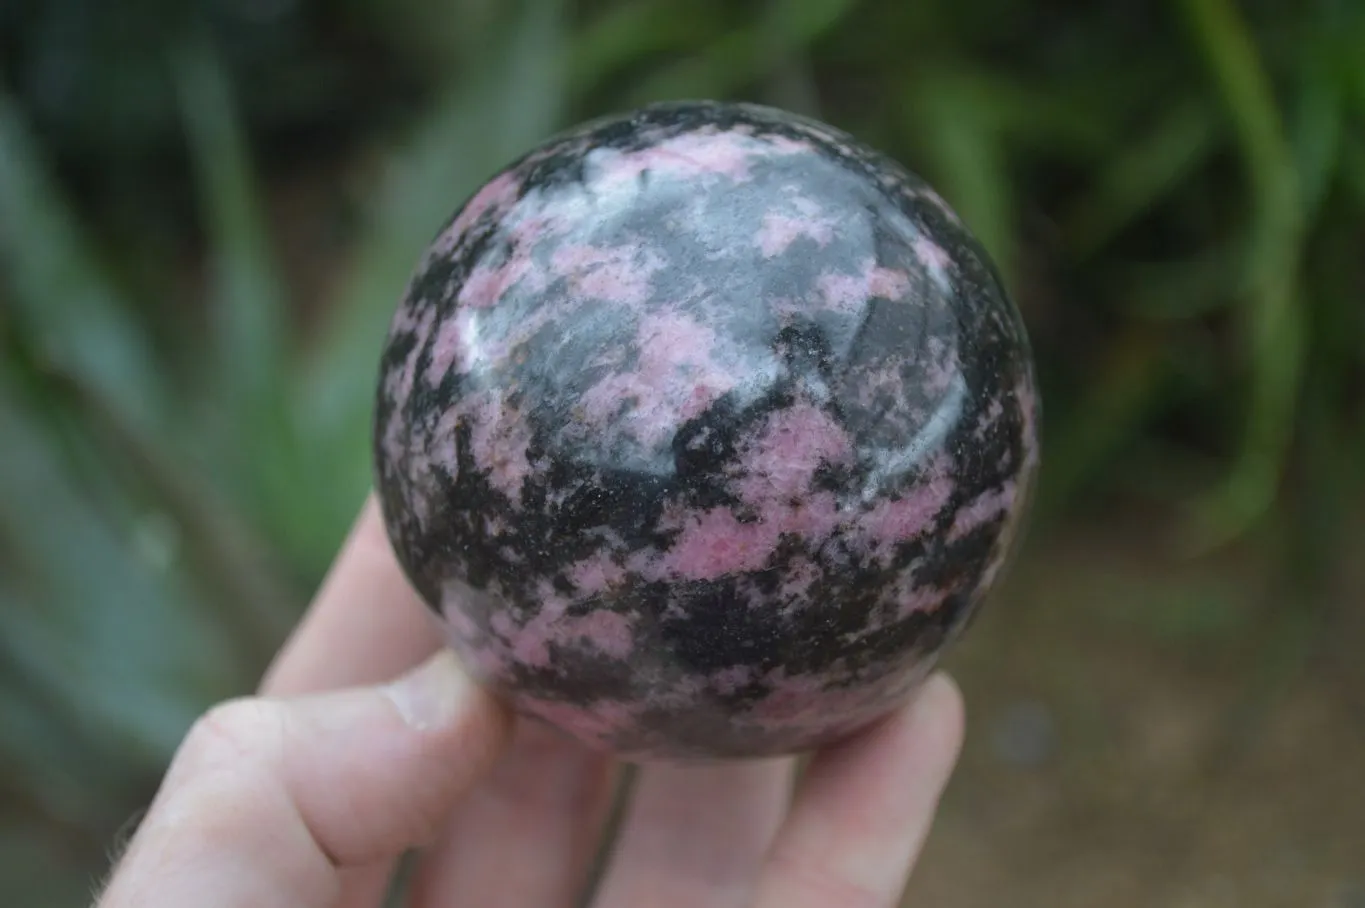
(434, 693)
(473, 725)
(459, 721)
(943, 685)
(941, 706)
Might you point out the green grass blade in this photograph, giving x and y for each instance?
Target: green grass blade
(1058, 119)
(789, 28)
(62, 294)
(1353, 170)
(1224, 39)
(1142, 176)
(718, 70)
(116, 466)
(37, 869)
(771, 46)
(1128, 384)
(627, 33)
(1351, 35)
(244, 590)
(247, 298)
(250, 440)
(1275, 330)
(110, 634)
(1317, 130)
(63, 762)
(434, 35)
(1185, 288)
(54, 761)
(965, 159)
(800, 22)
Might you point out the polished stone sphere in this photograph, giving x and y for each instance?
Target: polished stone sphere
(705, 428)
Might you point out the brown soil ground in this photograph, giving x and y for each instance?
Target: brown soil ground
(1145, 734)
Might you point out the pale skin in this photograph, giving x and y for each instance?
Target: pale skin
(306, 794)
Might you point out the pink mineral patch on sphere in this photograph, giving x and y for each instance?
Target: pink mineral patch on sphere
(706, 429)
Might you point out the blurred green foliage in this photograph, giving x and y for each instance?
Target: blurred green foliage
(1174, 192)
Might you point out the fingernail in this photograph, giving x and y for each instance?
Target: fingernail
(432, 694)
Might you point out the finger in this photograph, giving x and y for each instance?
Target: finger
(364, 625)
(267, 800)
(864, 808)
(528, 834)
(696, 835)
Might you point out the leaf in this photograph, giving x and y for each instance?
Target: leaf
(1352, 39)
(119, 468)
(717, 71)
(1316, 529)
(1142, 176)
(963, 151)
(250, 439)
(1120, 397)
(771, 46)
(800, 22)
(1186, 288)
(248, 299)
(438, 35)
(1275, 330)
(62, 770)
(107, 633)
(1317, 130)
(626, 33)
(61, 760)
(1060, 119)
(789, 28)
(477, 127)
(255, 607)
(37, 870)
(64, 297)
(1353, 170)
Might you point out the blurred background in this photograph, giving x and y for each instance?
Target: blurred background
(209, 208)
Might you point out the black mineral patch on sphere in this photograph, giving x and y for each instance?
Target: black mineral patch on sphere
(705, 429)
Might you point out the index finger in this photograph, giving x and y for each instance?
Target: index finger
(365, 625)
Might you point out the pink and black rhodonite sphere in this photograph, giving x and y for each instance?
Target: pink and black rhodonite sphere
(705, 429)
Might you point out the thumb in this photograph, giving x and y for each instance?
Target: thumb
(268, 799)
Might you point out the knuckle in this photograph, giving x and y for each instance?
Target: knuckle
(238, 732)
(223, 777)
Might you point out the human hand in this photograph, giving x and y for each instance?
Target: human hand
(306, 795)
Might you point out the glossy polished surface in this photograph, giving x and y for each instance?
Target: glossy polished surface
(705, 429)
